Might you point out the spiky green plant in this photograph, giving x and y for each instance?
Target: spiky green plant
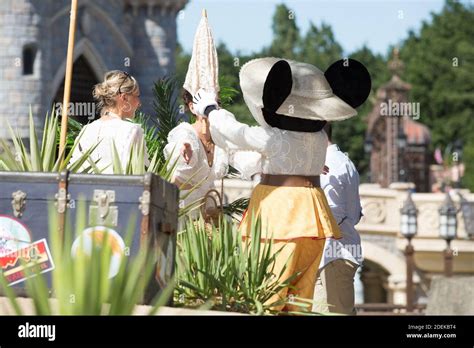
(42, 156)
(73, 130)
(214, 266)
(135, 163)
(81, 284)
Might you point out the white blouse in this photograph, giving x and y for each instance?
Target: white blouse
(282, 151)
(198, 171)
(121, 132)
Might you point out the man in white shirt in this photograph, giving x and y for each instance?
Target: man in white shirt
(334, 290)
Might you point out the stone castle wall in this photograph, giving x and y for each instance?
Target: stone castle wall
(135, 36)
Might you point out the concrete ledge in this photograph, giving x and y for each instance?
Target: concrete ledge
(27, 306)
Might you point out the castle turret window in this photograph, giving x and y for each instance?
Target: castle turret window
(29, 56)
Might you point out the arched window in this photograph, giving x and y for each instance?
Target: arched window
(81, 91)
(29, 56)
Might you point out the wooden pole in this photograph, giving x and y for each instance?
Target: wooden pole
(409, 251)
(448, 260)
(68, 79)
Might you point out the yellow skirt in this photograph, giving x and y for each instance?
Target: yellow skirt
(303, 256)
(290, 212)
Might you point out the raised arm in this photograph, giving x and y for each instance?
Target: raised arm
(224, 126)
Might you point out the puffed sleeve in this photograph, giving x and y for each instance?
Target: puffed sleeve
(176, 139)
(224, 127)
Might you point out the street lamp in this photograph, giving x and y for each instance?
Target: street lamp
(409, 228)
(368, 144)
(448, 225)
(458, 147)
(401, 138)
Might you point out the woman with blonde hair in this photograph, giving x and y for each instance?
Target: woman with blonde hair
(118, 97)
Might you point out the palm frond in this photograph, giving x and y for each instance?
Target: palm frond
(236, 208)
(166, 107)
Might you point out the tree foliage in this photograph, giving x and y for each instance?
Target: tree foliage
(439, 65)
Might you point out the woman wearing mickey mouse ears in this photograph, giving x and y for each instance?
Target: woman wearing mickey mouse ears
(291, 101)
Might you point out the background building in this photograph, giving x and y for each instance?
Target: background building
(398, 144)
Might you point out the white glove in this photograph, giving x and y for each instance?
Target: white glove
(202, 99)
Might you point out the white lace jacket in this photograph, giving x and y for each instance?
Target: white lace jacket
(198, 170)
(283, 152)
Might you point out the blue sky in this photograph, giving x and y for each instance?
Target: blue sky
(245, 25)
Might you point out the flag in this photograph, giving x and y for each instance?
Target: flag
(438, 156)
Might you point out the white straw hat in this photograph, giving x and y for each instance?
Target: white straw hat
(304, 89)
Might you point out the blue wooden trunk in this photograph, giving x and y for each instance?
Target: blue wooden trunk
(111, 200)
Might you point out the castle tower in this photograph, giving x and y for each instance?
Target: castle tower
(154, 42)
(21, 62)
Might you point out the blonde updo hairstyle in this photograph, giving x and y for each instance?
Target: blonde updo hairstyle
(115, 82)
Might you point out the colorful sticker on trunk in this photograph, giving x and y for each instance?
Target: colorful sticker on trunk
(95, 236)
(13, 235)
(27, 262)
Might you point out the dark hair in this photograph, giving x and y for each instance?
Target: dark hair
(187, 98)
(328, 129)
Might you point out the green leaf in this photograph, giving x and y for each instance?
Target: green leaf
(34, 146)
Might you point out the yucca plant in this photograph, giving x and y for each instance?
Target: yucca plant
(81, 284)
(42, 156)
(214, 266)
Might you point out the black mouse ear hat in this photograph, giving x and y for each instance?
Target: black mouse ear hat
(350, 80)
(300, 90)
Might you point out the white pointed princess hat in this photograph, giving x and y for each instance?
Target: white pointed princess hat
(305, 92)
(203, 69)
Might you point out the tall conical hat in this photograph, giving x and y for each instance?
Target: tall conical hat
(203, 70)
